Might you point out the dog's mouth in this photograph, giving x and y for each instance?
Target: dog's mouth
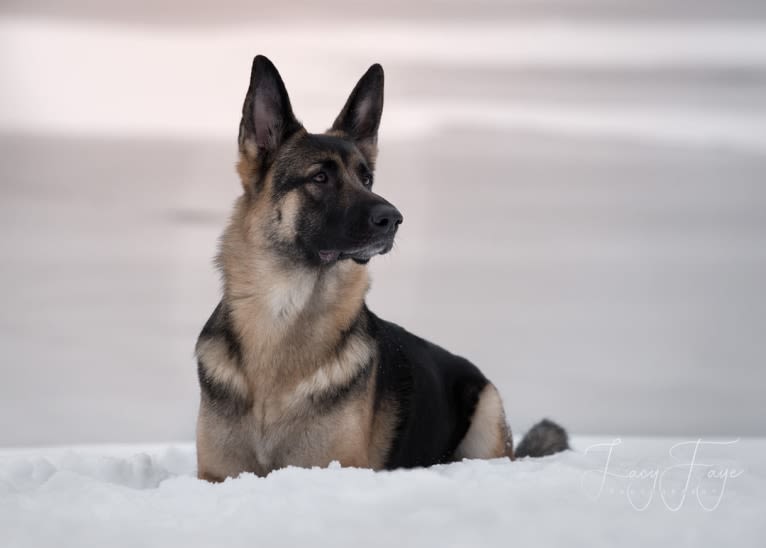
(359, 255)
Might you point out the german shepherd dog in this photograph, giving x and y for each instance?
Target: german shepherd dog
(294, 369)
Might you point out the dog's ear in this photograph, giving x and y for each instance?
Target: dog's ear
(267, 117)
(360, 117)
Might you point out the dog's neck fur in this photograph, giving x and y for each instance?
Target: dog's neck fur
(282, 312)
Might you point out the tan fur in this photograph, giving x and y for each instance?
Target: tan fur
(488, 436)
(218, 365)
(283, 301)
(247, 164)
(382, 430)
(221, 449)
(337, 371)
(287, 363)
(351, 448)
(288, 321)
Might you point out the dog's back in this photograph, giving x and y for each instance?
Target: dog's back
(436, 395)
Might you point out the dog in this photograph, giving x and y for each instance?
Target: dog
(294, 369)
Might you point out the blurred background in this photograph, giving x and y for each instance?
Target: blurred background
(583, 184)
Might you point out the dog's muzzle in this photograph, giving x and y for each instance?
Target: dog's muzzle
(382, 220)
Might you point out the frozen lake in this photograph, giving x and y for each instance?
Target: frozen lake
(584, 198)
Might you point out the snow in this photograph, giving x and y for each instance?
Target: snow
(148, 496)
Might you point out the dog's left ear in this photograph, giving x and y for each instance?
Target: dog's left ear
(360, 118)
(267, 116)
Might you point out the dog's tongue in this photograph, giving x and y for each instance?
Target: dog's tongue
(328, 256)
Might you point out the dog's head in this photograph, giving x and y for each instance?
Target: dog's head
(312, 194)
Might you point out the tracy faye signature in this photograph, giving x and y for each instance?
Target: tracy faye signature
(689, 477)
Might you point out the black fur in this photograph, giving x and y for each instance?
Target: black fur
(221, 398)
(360, 117)
(434, 391)
(544, 438)
(330, 398)
(267, 115)
(336, 219)
(336, 215)
(219, 325)
(311, 145)
(429, 393)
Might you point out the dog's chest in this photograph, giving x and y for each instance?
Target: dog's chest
(312, 438)
(314, 419)
(289, 414)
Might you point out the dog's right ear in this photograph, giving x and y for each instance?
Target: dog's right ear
(267, 117)
(360, 118)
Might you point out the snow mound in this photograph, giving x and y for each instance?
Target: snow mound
(638, 492)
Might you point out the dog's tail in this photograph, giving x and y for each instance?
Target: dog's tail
(544, 438)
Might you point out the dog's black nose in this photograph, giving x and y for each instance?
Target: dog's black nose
(384, 217)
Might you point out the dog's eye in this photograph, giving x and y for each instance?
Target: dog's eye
(320, 177)
(367, 180)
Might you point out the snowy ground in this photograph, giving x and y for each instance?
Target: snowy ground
(148, 496)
